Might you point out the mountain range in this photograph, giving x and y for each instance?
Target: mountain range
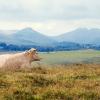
(28, 36)
(81, 36)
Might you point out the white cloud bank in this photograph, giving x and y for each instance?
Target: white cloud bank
(50, 17)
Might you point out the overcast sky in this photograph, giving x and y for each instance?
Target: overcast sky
(51, 17)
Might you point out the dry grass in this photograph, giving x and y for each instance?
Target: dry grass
(59, 82)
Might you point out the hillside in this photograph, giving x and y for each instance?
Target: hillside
(60, 82)
(26, 36)
(81, 36)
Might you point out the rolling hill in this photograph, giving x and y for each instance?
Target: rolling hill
(81, 36)
(26, 36)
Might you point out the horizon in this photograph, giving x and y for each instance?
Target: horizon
(62, 16)
(8, 32)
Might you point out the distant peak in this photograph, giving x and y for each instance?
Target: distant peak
(28, 28)
(82, 28)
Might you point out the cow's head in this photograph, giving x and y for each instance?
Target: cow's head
(32, 54)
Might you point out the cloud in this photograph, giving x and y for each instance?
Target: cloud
(49, 14)
(40, 10)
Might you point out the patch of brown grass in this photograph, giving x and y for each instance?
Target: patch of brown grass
(59, 82)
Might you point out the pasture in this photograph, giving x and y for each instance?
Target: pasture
(58, 76)
(67, 57)
(67, 82)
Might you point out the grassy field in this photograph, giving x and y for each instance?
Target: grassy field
(66, 57)
(66, 82)
(54, 78)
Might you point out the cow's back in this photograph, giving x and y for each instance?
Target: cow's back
(15, 60)
(4, 58)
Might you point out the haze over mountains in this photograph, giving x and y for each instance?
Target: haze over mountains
(28, 36)
(81, 35)
(81, 38)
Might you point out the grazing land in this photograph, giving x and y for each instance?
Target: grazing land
(68, 75)
(66, 57)
(59, 82)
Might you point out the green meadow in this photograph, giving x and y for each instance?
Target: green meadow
(67, 57)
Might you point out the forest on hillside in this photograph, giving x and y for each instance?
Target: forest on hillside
(62, 46)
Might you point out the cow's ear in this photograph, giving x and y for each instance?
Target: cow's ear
(34, 51)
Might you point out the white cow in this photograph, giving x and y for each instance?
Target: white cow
(19, 60)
